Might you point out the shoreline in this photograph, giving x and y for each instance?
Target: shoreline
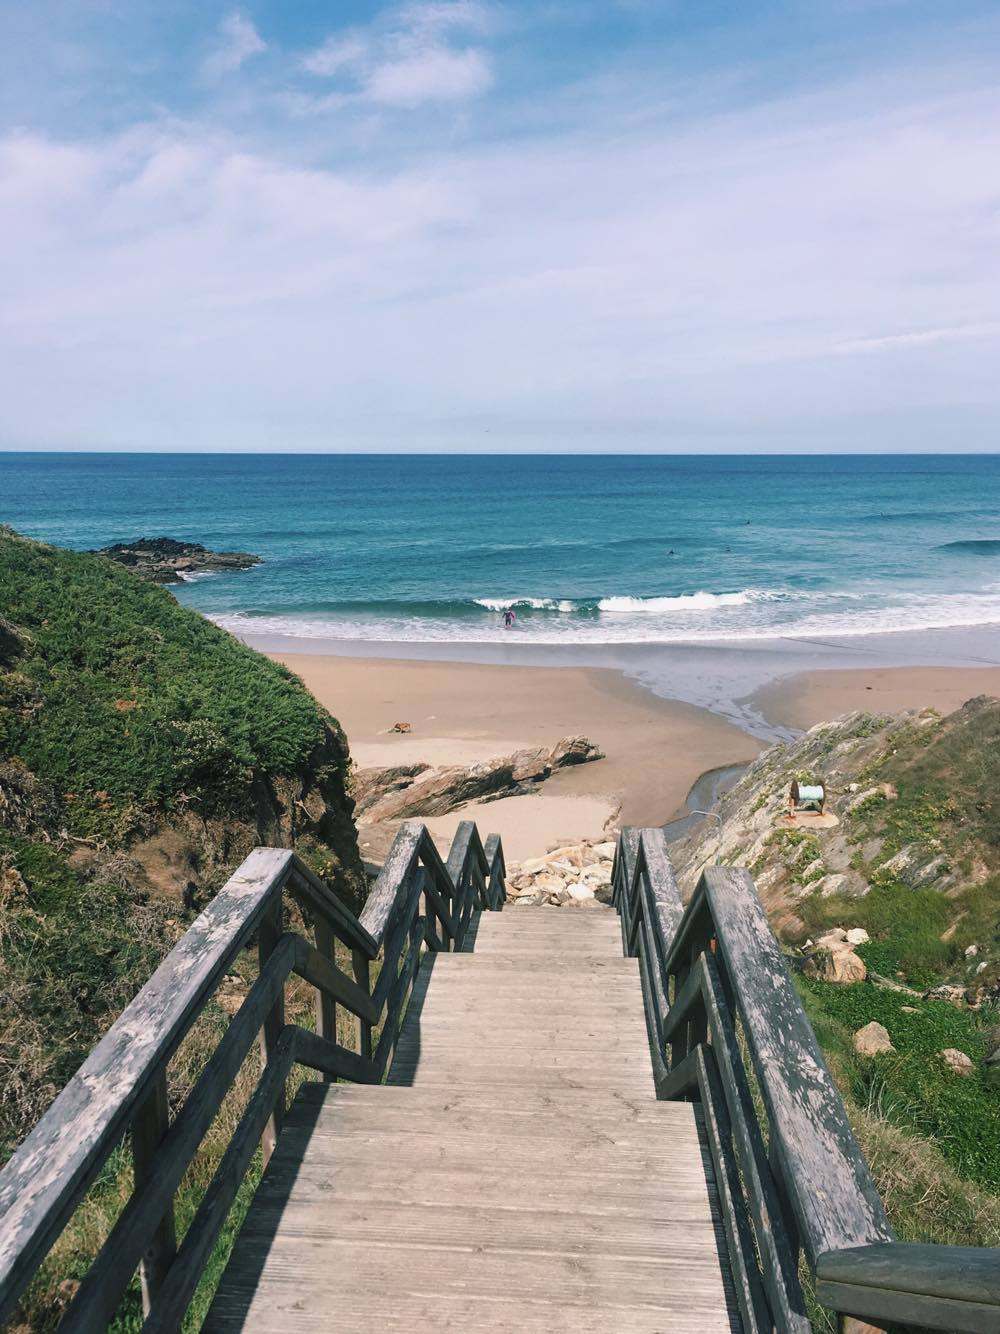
(727, 678)
(658, 747)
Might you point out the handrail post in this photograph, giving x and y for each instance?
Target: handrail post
(268, 934)
(150, 1124)
(326, 1006)
(362, 975)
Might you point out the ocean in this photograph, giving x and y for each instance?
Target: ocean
(587, 550)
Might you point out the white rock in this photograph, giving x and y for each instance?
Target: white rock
(603, 851)
(575, 855)
(834, 939)
(957, 1061)
(841, 966)
(857, 936)
(580, 892)
(872, 1040)
(533, 865)
(971, 951)
(596, 875)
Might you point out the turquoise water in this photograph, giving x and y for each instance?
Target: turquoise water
(588, 550)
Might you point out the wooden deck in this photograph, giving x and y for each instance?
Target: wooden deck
(516, 1173)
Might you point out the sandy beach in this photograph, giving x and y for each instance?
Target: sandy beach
(808, 698)
(460, 713)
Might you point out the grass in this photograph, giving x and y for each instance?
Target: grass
(912, 1089)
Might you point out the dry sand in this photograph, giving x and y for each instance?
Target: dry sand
(655, 748)
(808, 698)
(460, 713)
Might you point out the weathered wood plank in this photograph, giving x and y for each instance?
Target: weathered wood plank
(395, 872)
(324, 974)
(319, 900)
(268, 935)
(330, 1058)
(149, 1129)
(823, 1172)
(184, 1275)
(45, 1179)
(528, 1138)
(959, 1273)
(108, 1277)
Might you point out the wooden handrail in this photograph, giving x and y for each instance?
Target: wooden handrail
(121, 1086)
(726, 1024)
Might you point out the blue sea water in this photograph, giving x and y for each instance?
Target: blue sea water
(587, 549)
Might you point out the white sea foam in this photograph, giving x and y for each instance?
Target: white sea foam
(682, 602)
(537, 604)
(795, 616)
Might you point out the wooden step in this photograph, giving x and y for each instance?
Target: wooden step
(515, 1173)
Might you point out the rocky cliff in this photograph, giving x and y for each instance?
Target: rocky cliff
(889, 907)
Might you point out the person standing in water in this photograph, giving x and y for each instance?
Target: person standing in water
(509, 617)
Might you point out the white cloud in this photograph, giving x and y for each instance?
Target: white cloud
(655, 275)
(444, 15)
(435, 74)
(238, 41)
(337, 54)
(922, 337)
(406, 63)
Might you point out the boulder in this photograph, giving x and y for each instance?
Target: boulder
(530, 766)
(954, 995)
(858, 936)
(915, 866)
(603, 851)
(872, 1040)
(957, 1061)
(574, 857)
(580, 892)
(991, 1071)
(596, 875)
(841, 966)
(574, 750)
(834, 939)
(840, 882)
(406, 791)
(991, 1039)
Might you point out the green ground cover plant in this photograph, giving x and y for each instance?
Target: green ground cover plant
(912, 1088)
(123, 699)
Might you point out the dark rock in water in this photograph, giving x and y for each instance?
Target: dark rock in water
(164, 560)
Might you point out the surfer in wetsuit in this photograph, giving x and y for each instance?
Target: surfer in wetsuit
(509, 617)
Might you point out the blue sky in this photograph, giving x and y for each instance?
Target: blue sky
(454, 224)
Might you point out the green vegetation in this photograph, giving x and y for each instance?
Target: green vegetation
(906, 926)
(912, 1088)
(123, 700)
(143, 752)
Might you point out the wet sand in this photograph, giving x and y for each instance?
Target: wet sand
(808, 698)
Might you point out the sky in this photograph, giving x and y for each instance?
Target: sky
(635, 225)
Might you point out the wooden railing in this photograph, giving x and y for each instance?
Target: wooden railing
(417, 903)
(727, 1028)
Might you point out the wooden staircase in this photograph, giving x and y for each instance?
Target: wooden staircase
(516, 1173)
(548, 1120)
